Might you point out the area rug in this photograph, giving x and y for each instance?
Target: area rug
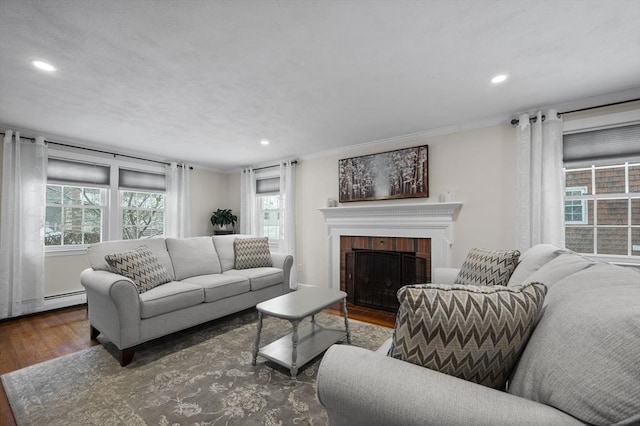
(201, 376)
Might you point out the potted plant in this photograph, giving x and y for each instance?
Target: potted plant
(221, 218)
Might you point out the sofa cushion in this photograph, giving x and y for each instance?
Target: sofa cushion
(170, 297)
(260, 277)
(472, 332)
(140, 266)
(219, 286)
(252, 253)
(488, 267)
(582, 358)
(532, 260)
(224, 247)
(559, 268)
(193, 256)
(157, 246)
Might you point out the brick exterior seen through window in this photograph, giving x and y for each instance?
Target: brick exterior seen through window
(603, 219)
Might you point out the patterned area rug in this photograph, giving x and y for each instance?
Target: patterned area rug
(201, 376)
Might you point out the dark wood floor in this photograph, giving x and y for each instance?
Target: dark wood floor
(36, 338)
(361, 313)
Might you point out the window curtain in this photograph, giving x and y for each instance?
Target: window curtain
(540, 181)
(24, 183)
(288, 194)
(178, 199)
(248, 206)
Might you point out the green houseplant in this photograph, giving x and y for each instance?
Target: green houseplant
(223, 217)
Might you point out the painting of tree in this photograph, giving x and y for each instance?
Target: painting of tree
(403, 173)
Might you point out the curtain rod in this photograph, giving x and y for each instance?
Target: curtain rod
(515, 121)
(275, 165)
(99, 150)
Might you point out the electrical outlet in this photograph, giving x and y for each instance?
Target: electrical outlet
(299, 267)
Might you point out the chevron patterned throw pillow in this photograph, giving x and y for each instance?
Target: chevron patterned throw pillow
(252, 253)
(488, 267)
(140, 266)
(475, 333)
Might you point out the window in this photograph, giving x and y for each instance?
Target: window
(270, 209)
(602, 191)
(575, 210)
(92, 199)
(142, 214)
(74, 215)
(142, 203)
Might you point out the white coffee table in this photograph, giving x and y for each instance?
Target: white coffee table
(301, 345)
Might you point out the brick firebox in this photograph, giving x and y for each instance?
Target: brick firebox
(420, 246)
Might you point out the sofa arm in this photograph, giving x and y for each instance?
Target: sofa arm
(360, 387)
(444, 275)
(114, 306)
(284, 262)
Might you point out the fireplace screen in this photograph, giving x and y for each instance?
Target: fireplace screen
(373, 277)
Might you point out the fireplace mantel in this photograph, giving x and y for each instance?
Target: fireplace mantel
(417, 220)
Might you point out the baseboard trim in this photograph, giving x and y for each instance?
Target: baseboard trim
(64, 300)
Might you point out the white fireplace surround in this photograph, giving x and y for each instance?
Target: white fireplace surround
(426, 220)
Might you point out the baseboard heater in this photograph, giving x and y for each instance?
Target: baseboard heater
(64, 300)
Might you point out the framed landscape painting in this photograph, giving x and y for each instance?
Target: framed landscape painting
(403, 173)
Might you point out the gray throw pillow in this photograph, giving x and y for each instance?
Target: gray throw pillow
(140, 266)
(488, 267)
(475, 333)
(252, 253)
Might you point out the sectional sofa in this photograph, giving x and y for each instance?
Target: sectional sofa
(204, 284)
(580, 365)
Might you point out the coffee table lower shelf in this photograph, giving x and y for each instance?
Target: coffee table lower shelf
(313, 339)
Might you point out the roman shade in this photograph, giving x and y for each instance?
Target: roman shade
(67, 172)
(618, 144)
(139, 180)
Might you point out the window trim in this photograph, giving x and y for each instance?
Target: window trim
(111, 222)
(269, 173)
(605, 121)
(102, 207)
(121, 208)
(274, 244)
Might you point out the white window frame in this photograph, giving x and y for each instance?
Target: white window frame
(140, 209)
(112, 213)
(606, 121)
(273, 172)
(102, 207)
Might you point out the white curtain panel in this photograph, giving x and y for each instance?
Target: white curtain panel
(248, 206)
(288, 190)
(540, 180)
(178, 200)
(24, 183)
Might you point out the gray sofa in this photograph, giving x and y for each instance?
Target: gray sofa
(204, 286)
(581, 364)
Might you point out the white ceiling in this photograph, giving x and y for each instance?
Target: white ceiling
(205, 81)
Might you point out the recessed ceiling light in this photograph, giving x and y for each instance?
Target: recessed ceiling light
(44, 66)
(499, 78)
(264, 142)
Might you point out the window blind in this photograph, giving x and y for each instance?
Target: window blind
(268, 186)
(77, 173)
(138, 180)
(601, 146)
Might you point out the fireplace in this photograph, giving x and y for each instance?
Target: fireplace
(373, 277)
(374, 268)
(433, 221)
